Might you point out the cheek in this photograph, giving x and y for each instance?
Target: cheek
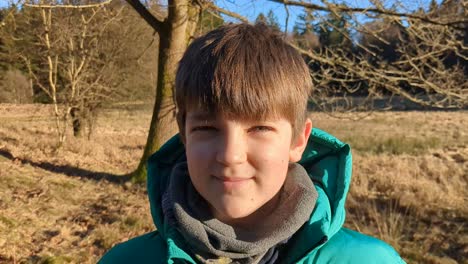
(273, 164)
(276, 155)
(199, 150)
(197, 158)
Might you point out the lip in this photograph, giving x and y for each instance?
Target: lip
(232, 179)
(230, 183)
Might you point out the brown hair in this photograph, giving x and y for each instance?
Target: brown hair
(243, 71)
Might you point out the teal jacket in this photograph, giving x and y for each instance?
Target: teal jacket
(323, 239)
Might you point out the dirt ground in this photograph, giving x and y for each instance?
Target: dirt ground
(71, 205)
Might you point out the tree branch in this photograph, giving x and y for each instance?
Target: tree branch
(155, 23)
(69, 6)
(343, 8)
(214, 7)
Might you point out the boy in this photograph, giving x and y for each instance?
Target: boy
(247, 180)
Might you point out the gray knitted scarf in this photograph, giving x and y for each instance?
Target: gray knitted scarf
(216, 242)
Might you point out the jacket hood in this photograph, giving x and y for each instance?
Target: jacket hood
(327, 161)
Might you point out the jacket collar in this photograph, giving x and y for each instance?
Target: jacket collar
(328, 163)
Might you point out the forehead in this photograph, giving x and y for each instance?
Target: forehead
(199, 115)
(194, 116)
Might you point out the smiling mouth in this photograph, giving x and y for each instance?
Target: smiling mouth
(232, 183)
(232, 179)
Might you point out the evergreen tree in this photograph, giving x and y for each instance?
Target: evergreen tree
(304, 24)
(272, 20)
(333, 31)
(261, 18)
(433, 6)
(303, 31)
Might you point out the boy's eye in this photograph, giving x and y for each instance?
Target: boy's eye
(260, 129)
(203, 128)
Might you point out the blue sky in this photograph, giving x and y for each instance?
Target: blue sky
(251, 8)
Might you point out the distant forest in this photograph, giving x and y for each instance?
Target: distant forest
(109, 53)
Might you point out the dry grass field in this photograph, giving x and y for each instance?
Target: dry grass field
(70, 206)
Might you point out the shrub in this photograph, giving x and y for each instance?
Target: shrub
(15, 88)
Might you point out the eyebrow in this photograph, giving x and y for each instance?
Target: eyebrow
(201, 116)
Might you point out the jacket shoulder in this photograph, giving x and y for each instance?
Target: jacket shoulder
(148, 248)
(349, 247)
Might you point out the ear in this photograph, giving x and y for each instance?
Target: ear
(300, 142)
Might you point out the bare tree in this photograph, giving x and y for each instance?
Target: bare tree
(335, 66)
(174, 33)
(347, 57)
(399, 54)
(81, 74)
(336, 70)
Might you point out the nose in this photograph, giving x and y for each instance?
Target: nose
(231, 149)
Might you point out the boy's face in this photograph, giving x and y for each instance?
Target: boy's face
(239, 166)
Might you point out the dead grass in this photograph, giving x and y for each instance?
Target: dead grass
(410, 181)
(56, 206)
(70, 206)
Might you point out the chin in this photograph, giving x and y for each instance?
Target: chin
(233, 213)
(238, 214)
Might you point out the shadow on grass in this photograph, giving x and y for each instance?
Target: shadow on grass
(70, 170)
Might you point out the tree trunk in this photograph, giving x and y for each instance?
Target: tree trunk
(77, 124)
(173, 42)
(77, 128)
